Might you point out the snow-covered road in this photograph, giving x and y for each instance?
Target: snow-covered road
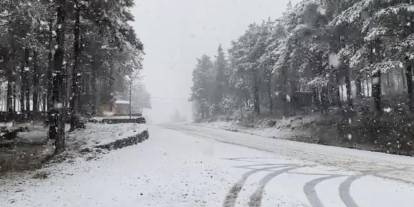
(191, 166)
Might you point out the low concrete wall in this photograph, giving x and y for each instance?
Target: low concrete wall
(140, 120)
(118, 144)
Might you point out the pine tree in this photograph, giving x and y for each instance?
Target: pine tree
(221, 67)
(203, 87)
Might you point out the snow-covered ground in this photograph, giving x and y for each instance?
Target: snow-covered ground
(191, 166)
(36, 135)
(288, 128)
(270, 132)
(101, 134)
(31, 132)
(391, 166)
(32, 146)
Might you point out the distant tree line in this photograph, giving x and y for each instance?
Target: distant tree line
(353, 55)
(64, 57)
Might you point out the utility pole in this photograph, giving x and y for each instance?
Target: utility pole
(130, 98)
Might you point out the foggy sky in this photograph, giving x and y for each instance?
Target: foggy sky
(176, 32)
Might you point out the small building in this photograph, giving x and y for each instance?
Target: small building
(121, 107)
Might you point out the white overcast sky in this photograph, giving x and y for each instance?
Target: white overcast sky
(176, 32)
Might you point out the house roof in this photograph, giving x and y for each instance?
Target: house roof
(121, 102)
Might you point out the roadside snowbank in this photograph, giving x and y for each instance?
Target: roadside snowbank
(294, 128)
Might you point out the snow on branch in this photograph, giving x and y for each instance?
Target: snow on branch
(387, 66)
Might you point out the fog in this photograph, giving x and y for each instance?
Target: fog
(177, 32)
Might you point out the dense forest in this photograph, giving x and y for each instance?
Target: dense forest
(62, 59)
(326, 56)
(330, 52)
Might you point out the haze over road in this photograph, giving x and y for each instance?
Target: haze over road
(176, 34)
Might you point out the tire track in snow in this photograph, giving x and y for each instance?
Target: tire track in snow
(257, 196)
(249, 159)
(254, 166)
(310, 191)
(345, 190)
(232, 195)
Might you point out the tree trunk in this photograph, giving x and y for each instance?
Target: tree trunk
(74, 99)
(376, 91)
(325, 99)
(359, 87)
(14, 97)
(409, 76)
(338, 90)
(22, 88)
(9, 76)
(256, 96)
(94, 94)
(67, 86)
(110, 87)
(27, 79)
(269, 94)
(44, 105)
(9, 96)
(284, 91)
(10, 68)
(35, 82)
(57, 122)
(376, 80)
(49, 75)
(349, 88)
